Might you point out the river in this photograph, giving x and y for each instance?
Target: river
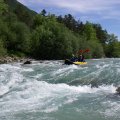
(50, 90)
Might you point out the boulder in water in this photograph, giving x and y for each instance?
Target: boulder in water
(118, 90)
(94, 84)
(27, 62)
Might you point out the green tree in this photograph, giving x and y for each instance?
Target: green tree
(3, 7)
(100, 33)
(116, 49)
(90, 32)
(51, 38)
(112, 46)
(3, 51)
(111, 38)
(18, 38)
(23, 15)
(43, 12)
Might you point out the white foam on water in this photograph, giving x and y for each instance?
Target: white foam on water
(14, 78)
(28, 70)
(50, 63)
(8, 67)
(3, 89)
(103, 66)
(41, 95)
(49, 110)
(65, 70)
(70, 100)
(98, 66)
(38, 76)
(118, 70)
(2, 69)
(112, 109)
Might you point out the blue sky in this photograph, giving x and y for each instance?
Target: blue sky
(104, 12)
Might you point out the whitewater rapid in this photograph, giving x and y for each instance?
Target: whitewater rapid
(50, 90)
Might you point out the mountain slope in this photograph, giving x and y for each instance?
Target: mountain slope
(23, 13)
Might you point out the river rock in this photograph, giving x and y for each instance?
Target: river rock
(118, 90)
(27, 62)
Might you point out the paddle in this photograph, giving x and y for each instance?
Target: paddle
(87, 50)
(83, 51)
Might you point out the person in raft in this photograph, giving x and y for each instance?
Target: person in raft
(81, 58)
(74, 58)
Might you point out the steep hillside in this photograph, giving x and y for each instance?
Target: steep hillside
(13, 4)
(22, 12)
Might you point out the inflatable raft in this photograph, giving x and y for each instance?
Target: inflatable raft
(68, 62)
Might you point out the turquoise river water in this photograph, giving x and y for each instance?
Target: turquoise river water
(50, 90)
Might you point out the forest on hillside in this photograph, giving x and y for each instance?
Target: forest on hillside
(24, 32)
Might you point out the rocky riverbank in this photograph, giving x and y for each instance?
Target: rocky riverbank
(9, 59)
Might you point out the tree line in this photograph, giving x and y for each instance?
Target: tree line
(47, 36)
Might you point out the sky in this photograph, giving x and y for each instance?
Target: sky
(104, 12)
